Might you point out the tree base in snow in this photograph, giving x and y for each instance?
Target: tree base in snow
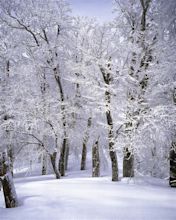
(6, 179)
(9, 191)
(172, 182)
(128, 165)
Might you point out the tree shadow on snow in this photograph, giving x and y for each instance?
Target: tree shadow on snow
(34, 179)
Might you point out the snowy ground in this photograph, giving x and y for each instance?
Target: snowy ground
(85, 198)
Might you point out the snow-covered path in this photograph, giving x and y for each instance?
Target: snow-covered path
(44, 198)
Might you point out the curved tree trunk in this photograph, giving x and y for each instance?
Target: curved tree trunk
(53, 162)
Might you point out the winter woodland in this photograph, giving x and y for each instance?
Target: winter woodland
(76, 93)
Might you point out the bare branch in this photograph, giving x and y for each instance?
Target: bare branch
(45, 36)
(39, 141)
(118, 131)
(23, 26)
(128, 16)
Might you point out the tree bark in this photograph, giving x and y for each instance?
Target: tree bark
(9, 191)
(6, 179)
(128, 164)
(44, 163)
(67, 156)
(95, 160)
(107, 79)
(84, 147)
(84, 155)
(145, 59)
(53, 162)
(172, 179)
(62, 160)
(112, 152)
(11, 157)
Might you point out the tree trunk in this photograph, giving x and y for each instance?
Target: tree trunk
(172, 179)
(84, 148)
(53, 162)
(133, 97)
(62, 159)
(6, 179)
(44, 163)
(67, 156)
(112, 152)
(107, 79)
(95, 160)
(9, 191)
(11, 157)
(114, 163)
(128, 164)
(84, 155)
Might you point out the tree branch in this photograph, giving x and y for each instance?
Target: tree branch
(23, 26)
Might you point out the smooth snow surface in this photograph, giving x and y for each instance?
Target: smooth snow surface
(86, 198)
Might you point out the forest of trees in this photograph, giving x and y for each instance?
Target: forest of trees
(73, 86)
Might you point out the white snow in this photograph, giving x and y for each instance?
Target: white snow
(81, 197)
